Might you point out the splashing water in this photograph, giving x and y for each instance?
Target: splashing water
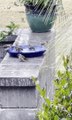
(60, 45)
(63, 35)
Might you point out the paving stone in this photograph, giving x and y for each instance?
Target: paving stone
(18, 114)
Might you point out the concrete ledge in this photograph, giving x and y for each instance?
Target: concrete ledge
(15, 73)
(17, 89)
(18, 114)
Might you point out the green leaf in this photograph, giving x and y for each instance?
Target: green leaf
(56, 117)
(63, 119)
(47, 101)
(60, 108)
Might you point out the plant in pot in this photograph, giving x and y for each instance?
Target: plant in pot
(41, 14)
(7, 38)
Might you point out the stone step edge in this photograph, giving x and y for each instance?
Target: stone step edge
(16, 82)
(18, 114)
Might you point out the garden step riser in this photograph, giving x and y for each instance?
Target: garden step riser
(18, 97)
(18, 114)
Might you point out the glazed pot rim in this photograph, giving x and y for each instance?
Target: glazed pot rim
(32, 9)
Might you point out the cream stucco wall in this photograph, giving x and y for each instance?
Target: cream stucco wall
(10, 12)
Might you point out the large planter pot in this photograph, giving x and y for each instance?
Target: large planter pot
(37, 23)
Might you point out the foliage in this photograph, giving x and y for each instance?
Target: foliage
(45, 7)
(2, 36)
(61, 107)
(43, 3)
(11, 28)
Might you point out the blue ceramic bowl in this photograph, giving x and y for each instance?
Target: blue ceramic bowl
(27, 51)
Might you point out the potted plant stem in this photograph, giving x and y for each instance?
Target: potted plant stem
(41, 14)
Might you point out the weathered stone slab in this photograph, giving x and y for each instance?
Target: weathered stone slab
(21, 71)
(15, 61)
(17, 90)
(18, 97)
(18, 114)
(16, 73)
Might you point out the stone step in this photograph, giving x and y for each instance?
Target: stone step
(18, 114)
(18, 95)
(21, 97)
